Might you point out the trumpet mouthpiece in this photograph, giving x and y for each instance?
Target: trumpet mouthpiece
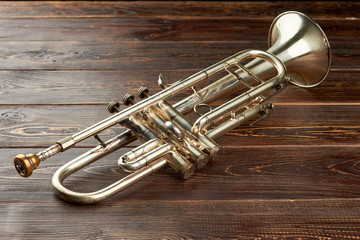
(26, 164)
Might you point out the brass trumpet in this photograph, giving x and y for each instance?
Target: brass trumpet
(299, 53)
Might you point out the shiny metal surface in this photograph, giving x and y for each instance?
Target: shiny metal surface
(299, 53)
(302, 46)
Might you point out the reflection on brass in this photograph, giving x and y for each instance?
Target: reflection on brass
(299, 53)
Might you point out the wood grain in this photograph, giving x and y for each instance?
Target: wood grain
(241, 173)
(59, 87)
(175, 220)
(220, 9)
(189, 55)
(99, 29)
(32, 126)
(294, 175)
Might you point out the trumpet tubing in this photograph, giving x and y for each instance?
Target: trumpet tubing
(299, 53)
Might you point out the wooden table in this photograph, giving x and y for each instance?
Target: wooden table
(294, 175)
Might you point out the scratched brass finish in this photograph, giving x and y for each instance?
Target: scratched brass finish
(25, 164)
(299, 53)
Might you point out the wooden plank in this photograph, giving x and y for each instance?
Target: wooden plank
(293, 175)
(156, 29)
(187, 10)
(183, 220)
(126, 55)
(130, 29)
(41, 87)
(241, 173)
(32, 126)
(139, 55)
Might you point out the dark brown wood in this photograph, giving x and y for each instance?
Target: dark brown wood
(241, 173)
(196, 219)
(162, 29)
(75, 55)
(218, 9)
(59, 87)
(293, 175)
(31, 126)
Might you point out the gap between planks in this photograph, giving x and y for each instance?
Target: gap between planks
(224, 146)
(111, 202)
(105, 104)
(131, 70)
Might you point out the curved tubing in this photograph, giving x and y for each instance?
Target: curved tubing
(126, 161)
(91, 156)
(205, 119)
(155, 162)
(102, 194)
(146, 158)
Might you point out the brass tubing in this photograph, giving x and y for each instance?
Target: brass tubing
(233, 123)
(229, 84)
(130, 158)
(49, 152)
(153, 99)
(184, 168)
(204, 121)
(175, 160)
(208, 145)
(146, 158)
(97, 153)
(128, 161)
(229, 106)
(102, 194)
(159, 126)
(174, 115)
(199, 158)
(141, 131)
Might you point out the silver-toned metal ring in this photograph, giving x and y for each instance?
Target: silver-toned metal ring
(201, 105)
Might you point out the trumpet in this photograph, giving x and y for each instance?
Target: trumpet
(299, 53)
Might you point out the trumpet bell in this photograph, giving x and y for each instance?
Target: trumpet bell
(302, 46)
